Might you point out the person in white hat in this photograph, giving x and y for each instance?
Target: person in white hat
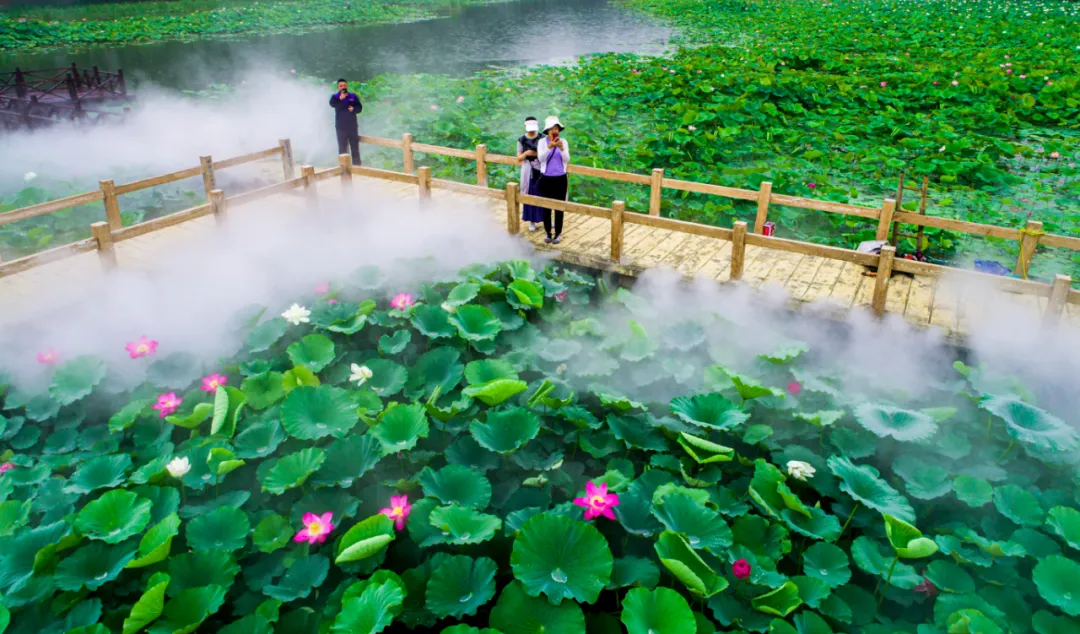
(530, 170)
(554, 156)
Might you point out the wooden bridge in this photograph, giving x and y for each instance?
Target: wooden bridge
(611, 238)
(39, 98)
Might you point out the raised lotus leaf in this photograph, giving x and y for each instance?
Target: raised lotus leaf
(562, 558)
(1031, 425)
(660, 610)
(864, 484)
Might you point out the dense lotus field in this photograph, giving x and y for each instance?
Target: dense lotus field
(524, 451)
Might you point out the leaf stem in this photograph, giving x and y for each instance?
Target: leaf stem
(848, 521)
(1003, 454)
(888, 578)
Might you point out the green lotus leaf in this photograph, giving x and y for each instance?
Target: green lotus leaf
(924, 481)
(756, 433)
(462, 294)
(863, 483)
(462, 628)
(310, 413)
(1031, 425)
(822, 418)
(74, 380)
(259, 438)
(701, 526)
(466, 451)
(388, 378)
(228, 403)
(128, 414)
(13, 516)
(1066, 523)
(505, 431)
(1047, 623)
(225, 528)
(365, 539)
(786, 352)
(303, 576)
(395, 343)
(819, 525)
(266, 334)
(197, 569)
(828, 563)
(634, 571)
(769, 490)
(263, 389)
(401, 427)
(660, 610)
(638, 346)
(102, 472)
(558, 350)
(1018, 505)
(92, 566)
(812, 591)
(901, 424)
(495, 392)
(780, 602)
(175, 371)
(719, 377)
(475, 323)
(155, 545)
(348, 459)
(709, 411)
(523, 294)
(371, 612)
(439, 369)
(488, 369)
(562, 558)
(272, 533)
(1055, 577)
(460, 585)
(196, 417)
(518, 613)
(456, 484)
(680, 559)
(461, 525)
(974, 492)
(869, 557)
(765, 539)
(298, 377)
(432, 322)
(114, 516)
(637, 431)
(971, 620)
(949, 577)
(907, 540)
(148, 608)
(292, 470)
(5, 619)
(684, 336)
(186, 611)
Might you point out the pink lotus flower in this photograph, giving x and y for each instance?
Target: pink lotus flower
(402, 301)
(324, 287)
(142, 348)
(460, 98)
(955, 83)
(741, 569)
(434, 107)
(884, 84)
(1055, 155)
(812, 185)
(398, 510)
(331, 301)
(48, 357)
(926, 588)
(167, 403)
(794, 388)
(562, 295)
(1008, 71)
(935, 83)
(292, 70)
(7, 466)
(316, 528)
(213, 382)
(597, 501)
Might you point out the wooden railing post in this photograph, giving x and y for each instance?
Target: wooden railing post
(345, 163)
(656, 187)
(764, 193)
(738, 250)
(881, 282)
(513, 209)
(106, 251)
(1059, 294)
(423, 176)
(112, 205)
(288, 167)
(407, 153)
(618, 209)
(481, 165)
(209, 179)
(1029, 239)
(885, 219)
(307, 172)
(218, 204)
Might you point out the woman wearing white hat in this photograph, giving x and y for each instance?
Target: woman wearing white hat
(554, 156)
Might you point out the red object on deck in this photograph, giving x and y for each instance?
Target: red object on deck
(768, 228)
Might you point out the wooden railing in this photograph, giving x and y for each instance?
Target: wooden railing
(106, 234)
(109, 193)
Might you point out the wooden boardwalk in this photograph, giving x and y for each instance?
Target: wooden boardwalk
(923, 301)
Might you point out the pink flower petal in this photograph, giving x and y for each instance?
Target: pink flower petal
(310, 518)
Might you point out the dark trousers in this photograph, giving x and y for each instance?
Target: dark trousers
(349, 141)
(553, 187)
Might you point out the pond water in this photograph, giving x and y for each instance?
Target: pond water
(471, 39)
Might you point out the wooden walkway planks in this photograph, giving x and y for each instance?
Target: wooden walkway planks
(921, 300)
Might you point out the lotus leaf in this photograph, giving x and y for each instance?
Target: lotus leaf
(292, 470)
(1031, 425)
(365, 539)
(516, 612)
(461, 525)
(225, 528)
(401, 427)
(781, 601)
(828, 563)
(505, 431)
(679, 558)
(149, 606)
(700, 526)
(903, 425)
(973, 491)
(460, 585)
(114, 517)
(561, 558)
(1066, 523)
(309, 413)
(348, 459)
(865, 485)
(660, 610)
(93, 565)
(1018, 505)
(1055, 577)
(907, 540)
(101, 472)
(634, 571)
(524, 294)
(263, 389)
(157, 542)
(76, 379)
(187, 610)
(709, 411)
(394, 344)
(456, 484)
(303, 576)
(475, 323)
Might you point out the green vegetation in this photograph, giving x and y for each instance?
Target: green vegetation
(424, 462)
(830, 100)
(24, 28)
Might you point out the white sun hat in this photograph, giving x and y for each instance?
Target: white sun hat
(551, 122)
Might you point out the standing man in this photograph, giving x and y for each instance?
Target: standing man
(346, 106)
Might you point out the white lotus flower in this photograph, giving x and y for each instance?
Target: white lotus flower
(178, 467)
(297, 315)
(360, 374)
(29, 177)
(800, 470)
(448, 307)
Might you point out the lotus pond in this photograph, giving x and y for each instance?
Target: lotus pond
(523, 451)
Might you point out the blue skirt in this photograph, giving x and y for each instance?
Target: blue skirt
(532, 213)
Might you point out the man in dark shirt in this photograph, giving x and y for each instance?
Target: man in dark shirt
(346, 106)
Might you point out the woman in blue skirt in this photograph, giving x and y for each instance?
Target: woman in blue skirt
(530, 170)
